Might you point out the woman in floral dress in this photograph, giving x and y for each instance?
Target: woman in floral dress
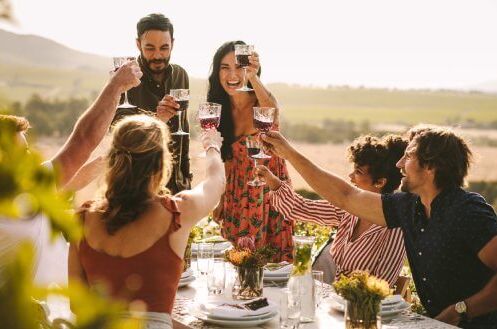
(245, 210)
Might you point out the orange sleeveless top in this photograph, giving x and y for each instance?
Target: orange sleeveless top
(151, 276)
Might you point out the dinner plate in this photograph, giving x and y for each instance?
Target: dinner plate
(385, 312)
(239, 323)
(186, 281)
(271, 311)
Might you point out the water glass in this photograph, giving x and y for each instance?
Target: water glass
(216, 278)
(318, 286)
(205, 257)
(289, 308)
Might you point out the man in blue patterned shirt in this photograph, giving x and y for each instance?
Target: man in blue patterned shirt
(450, 234)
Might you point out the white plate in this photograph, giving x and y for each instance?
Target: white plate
(186, 274)
(242, 323)
(385, 313)
(186, 281)
(272, 309)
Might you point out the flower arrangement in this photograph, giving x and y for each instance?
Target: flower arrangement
(363, 293)
(245, 254)
(248, 261)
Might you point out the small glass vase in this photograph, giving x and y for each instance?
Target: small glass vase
(362, 316)
(248, 283)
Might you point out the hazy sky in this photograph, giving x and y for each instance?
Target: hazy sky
(384, 43)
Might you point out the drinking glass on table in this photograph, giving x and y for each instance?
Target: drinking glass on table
(289, 308)
(216, 278)
(242, 53)
(253, 149)
(263, 121)
(118, 62)
(182, 97)
(318, 286)
(205, 257)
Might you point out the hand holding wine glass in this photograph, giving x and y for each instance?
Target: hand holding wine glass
(253, 150)
(242, 53)
(277, 144)
(272, 181)
(167, 108)
(118, 63)
(253, 67)
(211, 138)
(126, 76)
(182, 97)
(263, 121)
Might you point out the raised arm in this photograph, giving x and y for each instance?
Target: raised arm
(94, 123)
(88, 173)
(295, 207)
(196, 203)
(337, 191)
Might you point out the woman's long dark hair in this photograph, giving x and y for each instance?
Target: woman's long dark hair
(217, 94)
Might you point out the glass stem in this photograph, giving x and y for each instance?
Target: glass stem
(244, 77)
(180, 118)
(256, 179)
(126, 97)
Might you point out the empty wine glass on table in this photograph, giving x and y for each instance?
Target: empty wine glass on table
(118, 62)
(182, 97)
(216, 278)
(209, 116)
(318, 277)
(253, 149)
(242, 53)
(263, 121)
(289, 309)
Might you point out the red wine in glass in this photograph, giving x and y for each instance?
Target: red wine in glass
(253, 151)
(242, 60)
(183, 104)
(209, 122)
(262, 125)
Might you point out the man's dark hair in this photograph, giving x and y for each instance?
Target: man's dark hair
(443, 150)
(154, 22)
(381, 156)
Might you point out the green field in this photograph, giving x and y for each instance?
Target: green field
(384, 106)
(299, 104)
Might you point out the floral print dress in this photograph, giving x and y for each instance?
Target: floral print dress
(247, 210)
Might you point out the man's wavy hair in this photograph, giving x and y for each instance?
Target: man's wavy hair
(380, 155)
(139, 163)
(445, 151)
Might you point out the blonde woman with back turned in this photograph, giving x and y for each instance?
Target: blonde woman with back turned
(136, 235)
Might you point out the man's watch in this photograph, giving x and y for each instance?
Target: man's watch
(461, 309)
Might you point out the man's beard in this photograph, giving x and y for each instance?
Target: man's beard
(148, 64)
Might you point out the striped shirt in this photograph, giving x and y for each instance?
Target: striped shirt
(378, 250)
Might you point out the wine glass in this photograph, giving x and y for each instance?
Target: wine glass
(253, 149)
(263, 121)
(118, 62)
(182, 97)
(209, 116)
(242, 53)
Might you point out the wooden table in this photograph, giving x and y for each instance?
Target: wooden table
(325, 317)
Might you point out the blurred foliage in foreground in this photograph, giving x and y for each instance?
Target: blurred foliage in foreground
(28, 189)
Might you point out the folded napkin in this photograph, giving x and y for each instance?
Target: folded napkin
(284, 269)
(231, 309)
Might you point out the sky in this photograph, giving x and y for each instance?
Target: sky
(380, 43)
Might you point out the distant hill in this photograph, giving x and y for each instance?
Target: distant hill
(36, 51)
(31, 64)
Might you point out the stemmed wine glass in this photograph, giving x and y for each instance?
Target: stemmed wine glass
(118, 62)
(182, 97)
(253, 149)
(209, 116)
(242, 53)
(263, 121)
